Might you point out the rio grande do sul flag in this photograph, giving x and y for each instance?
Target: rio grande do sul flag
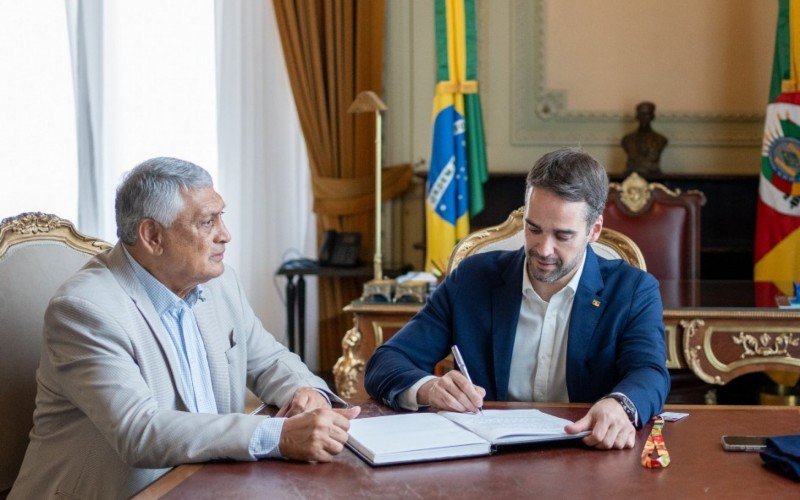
(777, 242)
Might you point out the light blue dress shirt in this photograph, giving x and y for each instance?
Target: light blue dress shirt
(178, 319)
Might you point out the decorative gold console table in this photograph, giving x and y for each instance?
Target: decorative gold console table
(374, 324)
(717, 329)
(723, 329)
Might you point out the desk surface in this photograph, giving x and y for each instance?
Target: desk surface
(699, 467)
(722, 294)
(677, 295)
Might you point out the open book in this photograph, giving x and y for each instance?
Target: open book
(414, 437)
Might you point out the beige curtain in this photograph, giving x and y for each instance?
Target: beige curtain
(333, 51)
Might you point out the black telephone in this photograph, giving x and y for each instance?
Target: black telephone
(340, 249)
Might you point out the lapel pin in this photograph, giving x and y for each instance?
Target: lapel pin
(595, 302)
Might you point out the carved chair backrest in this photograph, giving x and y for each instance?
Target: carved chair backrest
(509, 236)
(38, 252)
(665, 224)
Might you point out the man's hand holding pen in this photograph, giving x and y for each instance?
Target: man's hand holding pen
(454, 392)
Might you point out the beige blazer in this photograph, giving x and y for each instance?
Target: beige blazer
(110, 410)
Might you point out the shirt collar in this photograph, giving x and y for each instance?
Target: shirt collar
(163, 298)
(572, 285)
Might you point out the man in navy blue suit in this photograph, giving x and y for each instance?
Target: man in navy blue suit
(549, 322)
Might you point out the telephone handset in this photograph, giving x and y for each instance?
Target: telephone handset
(340, 249)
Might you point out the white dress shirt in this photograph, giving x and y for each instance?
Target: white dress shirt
(539, 359)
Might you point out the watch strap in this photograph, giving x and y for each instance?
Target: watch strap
(626, 403)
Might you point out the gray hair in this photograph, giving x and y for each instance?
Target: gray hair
(573, 175)
(152, 190)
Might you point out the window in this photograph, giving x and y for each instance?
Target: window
(38, 147)
(159, 99)
(159, 88)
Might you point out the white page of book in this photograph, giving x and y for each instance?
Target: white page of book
(498, 426)
(411, 431)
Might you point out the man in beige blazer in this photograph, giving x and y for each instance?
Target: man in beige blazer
(148, 350)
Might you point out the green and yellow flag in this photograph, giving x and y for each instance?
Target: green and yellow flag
(458, 156)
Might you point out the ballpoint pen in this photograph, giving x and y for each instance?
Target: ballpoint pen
(462, 367)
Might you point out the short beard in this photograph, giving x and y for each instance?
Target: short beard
(559, 272)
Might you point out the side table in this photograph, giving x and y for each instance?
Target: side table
(295, 272)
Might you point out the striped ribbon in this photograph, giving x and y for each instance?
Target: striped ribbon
(655, 441)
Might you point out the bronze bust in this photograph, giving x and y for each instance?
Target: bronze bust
(644, 146)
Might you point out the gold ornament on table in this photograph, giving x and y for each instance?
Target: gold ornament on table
(378, 287)
(378, 290)
(411, 292)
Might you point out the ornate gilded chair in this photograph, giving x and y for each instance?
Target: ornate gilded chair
(38, 252)
(665, 224)
(509, 236)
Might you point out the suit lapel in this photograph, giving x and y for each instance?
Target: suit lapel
(506, 300)
(121, 269)
(217, 342)
(587, 308)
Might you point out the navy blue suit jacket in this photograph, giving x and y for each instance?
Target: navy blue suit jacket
(615, 339)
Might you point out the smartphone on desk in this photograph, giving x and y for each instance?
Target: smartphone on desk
(744, 443)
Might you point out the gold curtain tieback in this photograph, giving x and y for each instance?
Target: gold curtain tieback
(347, 196)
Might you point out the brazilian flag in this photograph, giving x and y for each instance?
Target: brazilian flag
(458, 158)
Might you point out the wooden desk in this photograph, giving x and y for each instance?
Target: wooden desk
(723, 329)
(699, 468)
(717, 329)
